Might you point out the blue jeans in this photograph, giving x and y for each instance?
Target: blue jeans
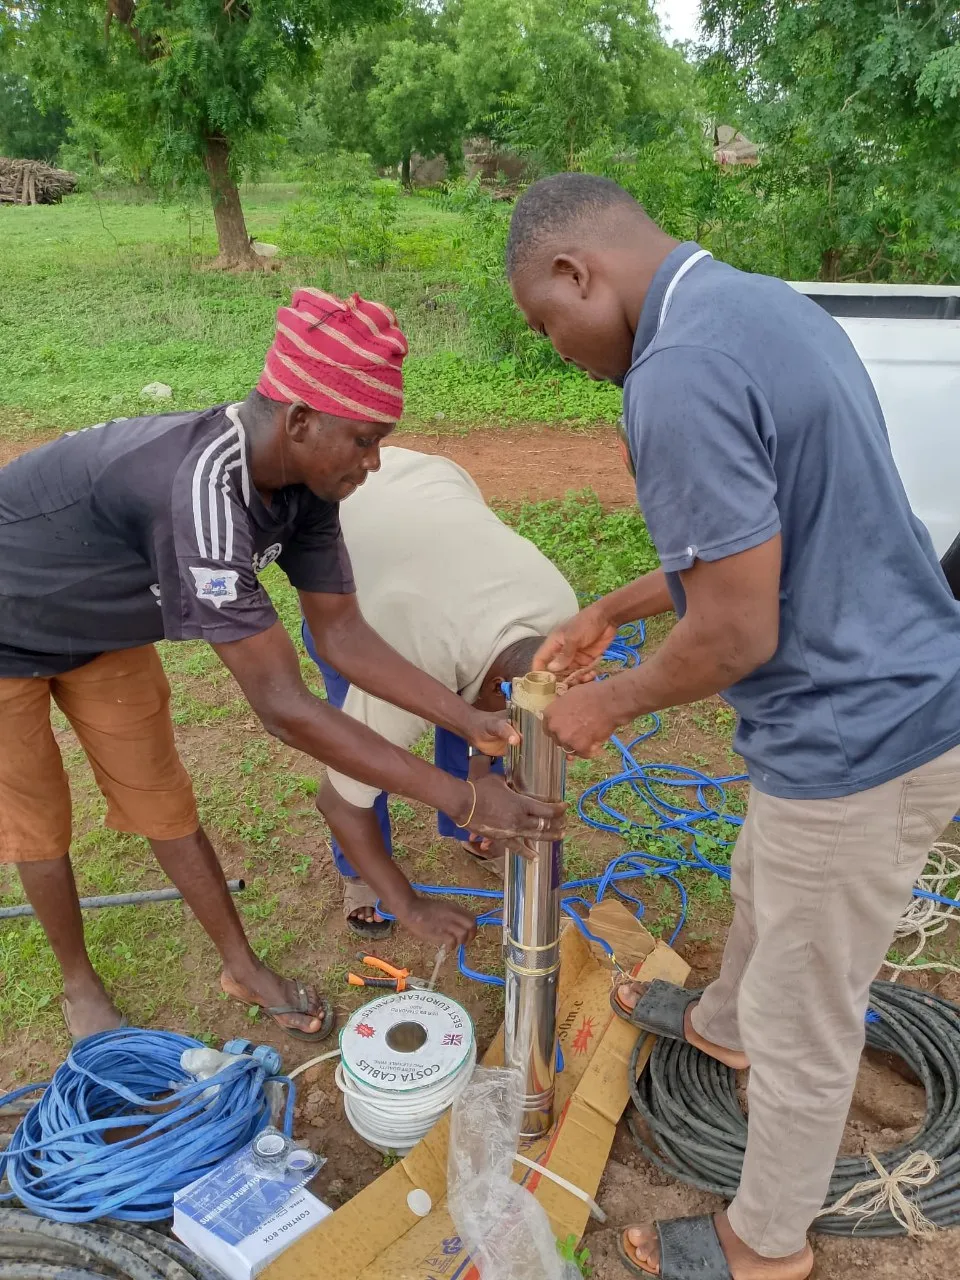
(450, 753)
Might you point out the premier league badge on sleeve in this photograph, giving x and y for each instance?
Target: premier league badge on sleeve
(268, 557)
(219, 586)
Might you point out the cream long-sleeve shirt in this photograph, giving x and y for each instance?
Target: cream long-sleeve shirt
(444, 581)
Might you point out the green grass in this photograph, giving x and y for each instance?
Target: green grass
(597, 551)
(571, 1251)
(101, 298)
(257, 801)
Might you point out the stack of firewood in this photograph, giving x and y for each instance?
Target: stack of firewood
(33, 182)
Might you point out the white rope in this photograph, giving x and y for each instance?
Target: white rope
(889, 1191)
(924, 919)
(396, 1122)
(314, 1062)
(595, 1210)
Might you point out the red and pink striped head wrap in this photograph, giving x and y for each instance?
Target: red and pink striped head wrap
(339, 357)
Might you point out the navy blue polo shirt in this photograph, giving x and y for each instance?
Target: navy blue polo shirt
(749, 414)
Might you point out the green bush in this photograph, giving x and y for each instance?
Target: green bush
(497, 326)
(596, 551)
(349, 215)
(446, 386)
(433, 250)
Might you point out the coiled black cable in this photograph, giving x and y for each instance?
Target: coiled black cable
(33, 1248)
(689, 1104)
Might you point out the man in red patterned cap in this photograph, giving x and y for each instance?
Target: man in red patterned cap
(155, 528)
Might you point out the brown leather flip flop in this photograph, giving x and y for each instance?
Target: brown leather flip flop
(65, 1010)
(492, 866)
(303, 1006)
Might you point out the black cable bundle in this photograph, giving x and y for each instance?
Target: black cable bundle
(690, 1106)
(33, 1248)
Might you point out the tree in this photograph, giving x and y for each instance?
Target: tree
(492, 61)
(184, 85)
(590, 70)
(343, 91)
(25, 130)
(857, 106)
(392, 89)
(416, 103)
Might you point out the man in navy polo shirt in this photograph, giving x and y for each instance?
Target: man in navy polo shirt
(809, 594)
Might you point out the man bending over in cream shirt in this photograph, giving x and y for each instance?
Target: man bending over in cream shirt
(467, 600)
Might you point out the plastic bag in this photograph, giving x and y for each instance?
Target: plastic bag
(204, 1064)
(505, 1229)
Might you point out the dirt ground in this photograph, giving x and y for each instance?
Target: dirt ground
(533, 463)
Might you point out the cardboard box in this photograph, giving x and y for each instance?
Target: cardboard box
(375, 1236)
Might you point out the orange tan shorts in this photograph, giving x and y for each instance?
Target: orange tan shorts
(118, 705)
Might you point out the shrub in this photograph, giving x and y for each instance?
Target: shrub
(497, 326)
(596, 551)
(350, 214)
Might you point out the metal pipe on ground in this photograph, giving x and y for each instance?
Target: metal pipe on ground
(531, 908)
(118, 900)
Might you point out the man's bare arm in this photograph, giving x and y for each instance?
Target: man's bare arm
(345, 639)
(731, 626)
(268, 671)
(645, 597)
(582, 640)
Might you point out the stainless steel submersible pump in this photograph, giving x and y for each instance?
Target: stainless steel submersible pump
(531, 908)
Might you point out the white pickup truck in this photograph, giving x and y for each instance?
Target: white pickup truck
(908, 336)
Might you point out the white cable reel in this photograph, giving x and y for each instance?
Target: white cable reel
(404, 1060)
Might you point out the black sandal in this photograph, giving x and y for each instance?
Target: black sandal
(690, 1249)
(356, 896)
(660, 1010)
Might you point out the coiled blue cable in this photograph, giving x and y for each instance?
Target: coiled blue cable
(61, 1162)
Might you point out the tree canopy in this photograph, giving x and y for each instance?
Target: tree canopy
(857, 104)
(416, 102)
(182, 86)
(549, 77)
(25, 130)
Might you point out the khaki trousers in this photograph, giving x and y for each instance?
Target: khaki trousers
(818, 888)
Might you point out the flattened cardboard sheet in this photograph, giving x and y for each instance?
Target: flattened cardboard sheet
(375, 1236)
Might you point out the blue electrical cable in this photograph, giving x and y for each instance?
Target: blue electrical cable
(62, 1163)
(682, 821)
(672, 820)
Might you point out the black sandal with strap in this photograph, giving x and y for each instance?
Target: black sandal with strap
(660, 1010)
(356, 897)
(690, 1249)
